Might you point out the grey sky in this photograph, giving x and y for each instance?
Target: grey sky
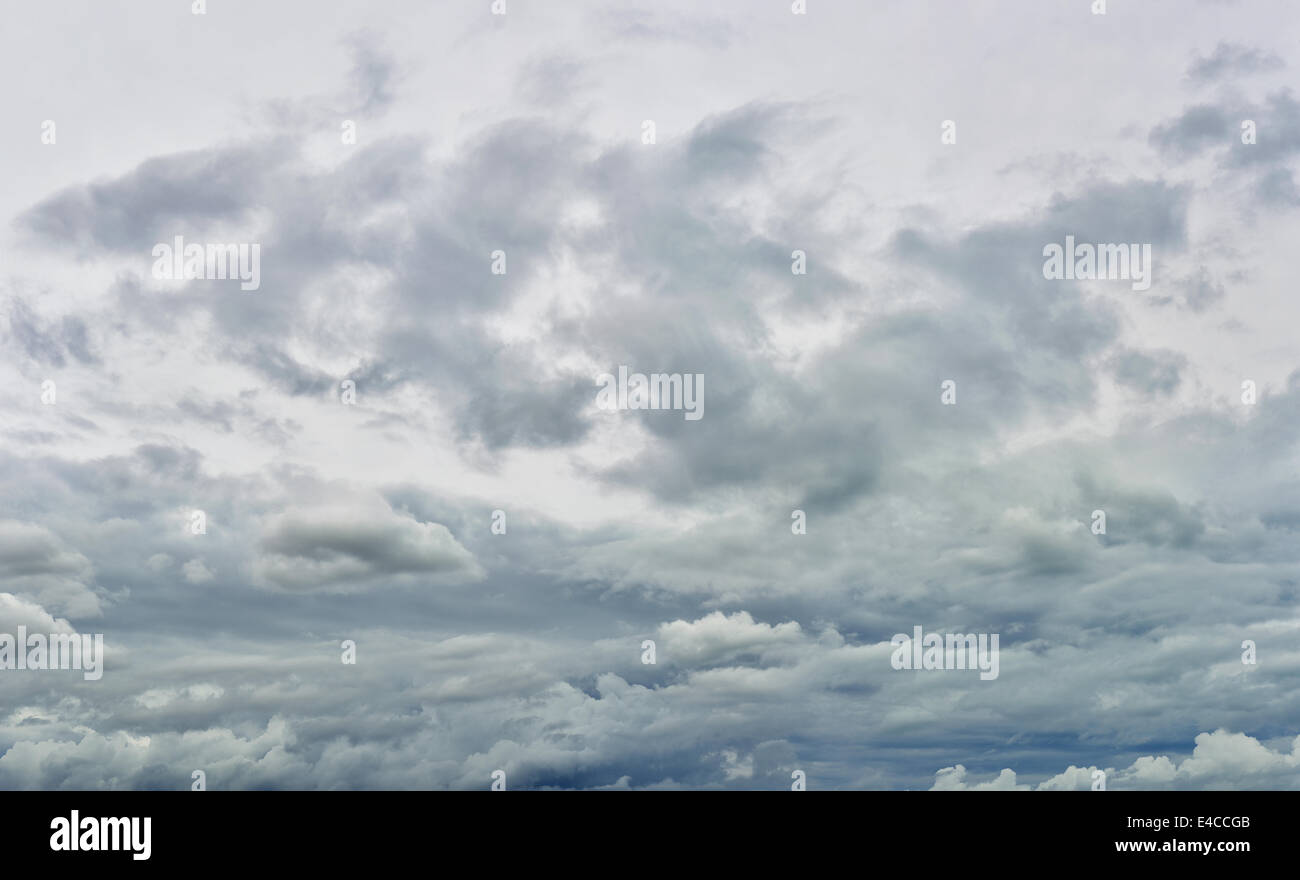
(476, 392)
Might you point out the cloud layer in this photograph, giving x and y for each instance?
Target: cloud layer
(394, 442)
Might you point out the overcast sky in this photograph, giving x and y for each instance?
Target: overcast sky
(476, 392)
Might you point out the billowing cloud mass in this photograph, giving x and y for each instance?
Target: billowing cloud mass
(367, 525)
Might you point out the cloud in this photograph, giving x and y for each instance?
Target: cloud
(48, 344)
(352, 546)
(163, 197)
(1221, 760)
(1231, 59)
(36, 565)
(954, 779)
(15, 612)
(369, 520)
(1219, 129)
(1197, 129)
(1149, 372)
(717, 636)
(373, 73)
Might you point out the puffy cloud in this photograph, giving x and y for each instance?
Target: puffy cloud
(15, 612)
(717, 636)
(954, 779)
(353, 546)
(1220, 760)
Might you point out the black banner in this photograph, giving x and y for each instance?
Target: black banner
(330, 829)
